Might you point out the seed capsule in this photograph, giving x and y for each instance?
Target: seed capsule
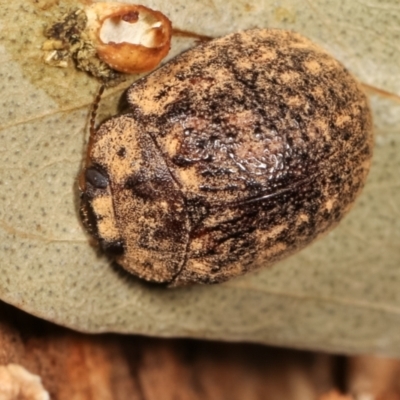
(105, 39)
(129, 38)
(233, 156)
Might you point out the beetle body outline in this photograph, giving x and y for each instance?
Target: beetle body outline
(232, 156)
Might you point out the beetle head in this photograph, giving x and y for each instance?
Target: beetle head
(131, 202)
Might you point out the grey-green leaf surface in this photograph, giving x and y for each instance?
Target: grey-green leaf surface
(340, 294)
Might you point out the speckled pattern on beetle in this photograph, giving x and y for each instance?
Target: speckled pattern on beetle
(232, 156)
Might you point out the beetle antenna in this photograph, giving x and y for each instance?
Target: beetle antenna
(92, 122)
(92, 134)
(93, 114)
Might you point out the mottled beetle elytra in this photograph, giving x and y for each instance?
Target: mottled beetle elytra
(232, 156)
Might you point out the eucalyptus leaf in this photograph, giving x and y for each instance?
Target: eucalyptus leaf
(340, 294)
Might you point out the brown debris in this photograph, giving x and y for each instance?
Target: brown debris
(375, 378)
(116, 367)
(16, 383)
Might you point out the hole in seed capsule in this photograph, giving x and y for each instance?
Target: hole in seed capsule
(133, 27)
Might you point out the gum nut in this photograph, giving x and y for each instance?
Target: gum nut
(129, 38)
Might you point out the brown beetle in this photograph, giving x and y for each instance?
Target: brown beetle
(233, 155)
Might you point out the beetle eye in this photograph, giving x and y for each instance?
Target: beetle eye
(96, 178)
(115, 248)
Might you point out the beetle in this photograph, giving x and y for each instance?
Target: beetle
(232, 156)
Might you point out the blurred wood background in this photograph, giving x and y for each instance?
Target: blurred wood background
(76, 366)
